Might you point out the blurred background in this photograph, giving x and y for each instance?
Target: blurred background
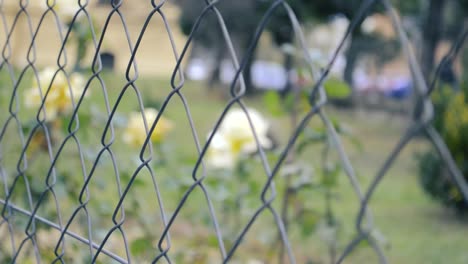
(419, 213)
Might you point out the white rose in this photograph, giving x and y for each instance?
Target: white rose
(235, 137)
(220, 154)
(236, 128)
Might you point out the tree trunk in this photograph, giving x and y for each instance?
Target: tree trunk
(464, 58)
(431, 34)
(219, 56)
(352, 55)
(432, 31)
(288, 65)
(360, 44)
(242, 42)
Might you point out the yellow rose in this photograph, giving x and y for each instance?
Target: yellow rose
(135, 132)
(59, 99)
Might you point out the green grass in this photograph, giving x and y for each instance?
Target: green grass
(417, 229)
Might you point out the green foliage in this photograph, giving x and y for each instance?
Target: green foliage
(302, 180)
(82, 35)
(140, 246)
(409, 6)
(309, 220)
(272, 101)
(208, 32)
(337, 89)
(451, 120)
(174, 178)
(280, 25)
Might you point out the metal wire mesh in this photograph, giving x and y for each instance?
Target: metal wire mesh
(22, 222)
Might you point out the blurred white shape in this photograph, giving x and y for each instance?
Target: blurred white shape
(227, 72)
(397, 87)
(338, 25)
(327, 36)
(324, 40)
(362, 81)
(268, 75)
(66, 9)
(198, 69)
(265, 75)
(235, 137)
(369, 25)
(327, 233)
(220, 154)
(236, 127)
(315, 54)
(288, 48)
(339, 66)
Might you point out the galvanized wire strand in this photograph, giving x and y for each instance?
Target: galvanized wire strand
(75, 119)
(62, 63)
(131, 83)
(20, 243)
(109, 132)
(447, 60)
(347, 167)
(237, 95)
(178, 71)
(315, 109)
(22, 162)
(198, 180)
(428, 110)
(422, 124)
(51, 175)
(177, 91)
(4, 64)
(64, 232)
(233, 92)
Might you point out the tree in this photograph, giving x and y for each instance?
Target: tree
(317, 12)
(240, 17)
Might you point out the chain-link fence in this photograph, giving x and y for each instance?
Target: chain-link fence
(65, 188)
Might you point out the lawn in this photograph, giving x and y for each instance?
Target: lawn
(416, 229)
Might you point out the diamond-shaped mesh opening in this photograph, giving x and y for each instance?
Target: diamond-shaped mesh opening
(105, 166)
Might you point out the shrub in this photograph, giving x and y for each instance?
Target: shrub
(451, 121)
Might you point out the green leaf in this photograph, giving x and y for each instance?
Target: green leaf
(311, 136)
(363, 244)
(290, 101)
(140, 246)
(28, 126)
(273, 103)
(356, 143)
(310, 220)
(330, 177)
(337, 89)
(139, 183)
(212, 241)
(85, 119)
(82, 121)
